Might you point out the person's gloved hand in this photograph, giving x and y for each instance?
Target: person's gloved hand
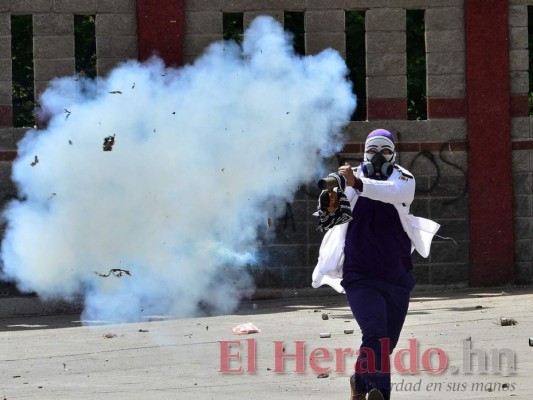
(347, 172)
(329, 201)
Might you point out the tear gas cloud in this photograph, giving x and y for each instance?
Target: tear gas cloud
(201, 155)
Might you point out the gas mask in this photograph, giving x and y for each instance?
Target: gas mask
(379, 155)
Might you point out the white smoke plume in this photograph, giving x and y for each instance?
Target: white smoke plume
(200, 157)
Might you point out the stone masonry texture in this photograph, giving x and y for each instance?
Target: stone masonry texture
(434, 150)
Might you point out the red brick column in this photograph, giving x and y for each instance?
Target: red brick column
(489, 142)
(160, 27)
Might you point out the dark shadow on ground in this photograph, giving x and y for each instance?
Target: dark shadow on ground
(316, 301)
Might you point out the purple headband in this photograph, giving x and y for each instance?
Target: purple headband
(381, 132)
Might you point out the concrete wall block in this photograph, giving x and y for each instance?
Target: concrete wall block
(203, 5)
(316, 42)
(520, 161)
(386, 64)
(447, 129)
(424, 170)
(195, 45)
(116, 24)
(410, 131)
(286, 256)
(5, 48)
(364, 4)
(31, 6)
(46, 70)
(459, 159)
(530, 127)
(407, 131)
(6, 91)
(450, 274)
(385, 19)
(75, 6)
(288, 5)
(40, 87)
(19, 134)
(522, 227)
(287, 236)
(53, 47)
(449, 85)
(387, 87)
(240, 5)
(297, 211)
(445, 41)
(445, 63)
(522, 249)
(203, 22)
(6, 143)
(5, 70)
(444, 3)
(521, 183)
(385, 42)
(517, 16)
(356, 131)
(523, 273)
(445, 19)
(522, 206)
(519, 60)
(116, 46)
(104, 65)
(451, 186)
(518, 38)
(116, 6)
(249, 16)
(440, 209)
(324, 4)
(272, 276)
(8, 189)
(5, 5)
(458, 229)
(520, 127)
(324, 21)
(5, 25)
(420, 206)
(53, 24)
(519, 82)
(407, 4)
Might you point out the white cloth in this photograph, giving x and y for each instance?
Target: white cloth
(398, 190)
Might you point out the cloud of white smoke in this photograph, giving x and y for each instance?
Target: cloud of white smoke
(201, 154)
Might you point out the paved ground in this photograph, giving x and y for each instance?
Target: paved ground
(54, 357)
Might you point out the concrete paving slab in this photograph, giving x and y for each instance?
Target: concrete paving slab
(55, 357)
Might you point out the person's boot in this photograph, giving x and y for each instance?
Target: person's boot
(375, 394)
(355, 394)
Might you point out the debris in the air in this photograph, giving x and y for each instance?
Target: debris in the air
(116, 272)
(108, 143)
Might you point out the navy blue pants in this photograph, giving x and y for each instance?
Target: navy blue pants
(379, 307)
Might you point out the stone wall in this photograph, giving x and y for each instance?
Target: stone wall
(440, 175)
(435, 150)
(53, 38)
(522, 133)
